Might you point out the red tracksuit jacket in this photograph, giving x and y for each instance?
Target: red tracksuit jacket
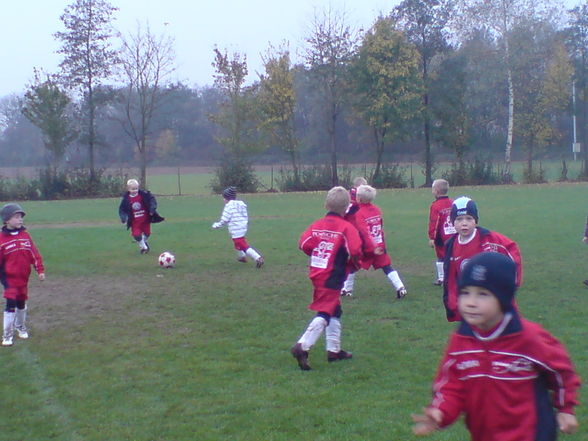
(456, 256)
(507, 384)
(440, 226)
(330, 242)
(17, 254)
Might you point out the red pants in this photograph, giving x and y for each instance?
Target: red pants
(240, 243)
(17, 293)
(138, 228)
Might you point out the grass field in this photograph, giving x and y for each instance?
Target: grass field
(123, 350)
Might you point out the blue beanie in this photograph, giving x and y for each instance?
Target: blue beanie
(463, 206)
(10, 210)
(230, 193)
(493, 271)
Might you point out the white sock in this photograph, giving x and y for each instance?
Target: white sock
(252, 253)
(313, 332)
(241, 254)
(20, 319)
(333, 334)
(395, 280)
(8, 324)
(349, 282)
(142, 244)
(440, 272)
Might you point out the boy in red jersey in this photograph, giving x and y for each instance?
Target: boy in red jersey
(368, 220)
(333, 245)
(440, 226)
(138, 209)
(506, 374)
(17, 254)
(470, 240)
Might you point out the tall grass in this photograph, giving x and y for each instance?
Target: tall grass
(123, 350)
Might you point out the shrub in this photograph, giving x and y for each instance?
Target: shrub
(391, 176)
(236, 173)
(312, 178)
(534, 176)
(481, 171)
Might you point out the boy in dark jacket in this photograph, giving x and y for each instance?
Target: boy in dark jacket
(138, 209)
(506, 374)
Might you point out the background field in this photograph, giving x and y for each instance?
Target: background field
(122, 350)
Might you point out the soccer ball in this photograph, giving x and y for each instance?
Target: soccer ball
(167, 260)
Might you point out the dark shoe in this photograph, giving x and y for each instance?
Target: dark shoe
(585, 282)
(345, 293)
(401, 293)
(438, 283)
(336, 356)
(300, 356)
(242, 259)
(259, 262)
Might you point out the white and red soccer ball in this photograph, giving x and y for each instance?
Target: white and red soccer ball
(167, 260)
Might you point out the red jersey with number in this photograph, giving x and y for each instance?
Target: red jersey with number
(18, 254)
(368, 219)
(139, 210)
(330, 242)
(440, 226)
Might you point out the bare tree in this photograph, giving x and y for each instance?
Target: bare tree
(147, 61)
(331, 46)
(89, 58)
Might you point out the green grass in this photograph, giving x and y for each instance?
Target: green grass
(123, 350)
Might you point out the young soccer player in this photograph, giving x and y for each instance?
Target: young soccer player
(368, 220)
(440, 226)
(470, 240)
(235, 216)
(506, 374)
(333, 245)
(138, 209)
(17, 254)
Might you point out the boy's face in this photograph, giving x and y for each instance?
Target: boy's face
(465, 225)
(479, 307)
(133, 189)
(15, 222)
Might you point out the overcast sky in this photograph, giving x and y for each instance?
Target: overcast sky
(26, 31)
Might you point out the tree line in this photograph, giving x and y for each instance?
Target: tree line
(453, 80)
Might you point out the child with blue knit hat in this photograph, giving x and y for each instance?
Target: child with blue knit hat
(235, 216)
(511, 378)
(469, 240)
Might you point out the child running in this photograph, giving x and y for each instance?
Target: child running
(17, 254)
(138, 209)
(504, 373)
(333, 245)
(368, 220)
(235, 216)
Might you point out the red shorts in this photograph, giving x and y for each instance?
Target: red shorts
(240, 243)
(377, 261)
(17, 293)
(325, 300)
(138, 228)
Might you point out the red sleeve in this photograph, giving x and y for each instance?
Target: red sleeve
(38, 260)
(364, 233)
(557, 367)
(433, 220)
(354, 242)
(448, 393)
(502, 244)
(307, 241)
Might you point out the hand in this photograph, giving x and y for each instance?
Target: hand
(378, 251)
(432, 243)
(216, 225)
(567, 422)
(41, 276)
(428, 422)
(585, 239)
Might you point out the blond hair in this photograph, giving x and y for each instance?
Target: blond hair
(441, 185)
(366, 193)
(360, 180)
(132, 182)
(337, 200)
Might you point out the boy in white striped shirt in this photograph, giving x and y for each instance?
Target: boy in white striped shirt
(235, 216)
